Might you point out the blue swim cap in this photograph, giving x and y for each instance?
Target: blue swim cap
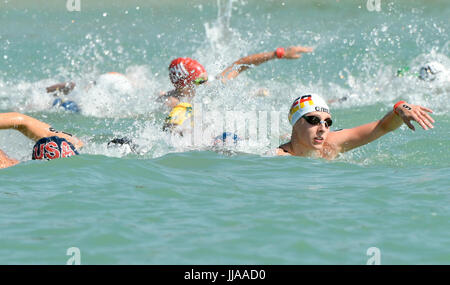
(53, 148)
(67, 105)
(226, 136)
(71, 106)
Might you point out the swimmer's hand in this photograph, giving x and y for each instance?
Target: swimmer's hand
(65, 87)
(416, 113)
(296, 52)
(122, 141)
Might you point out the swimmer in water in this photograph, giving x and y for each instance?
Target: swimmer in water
(50, 143)
(430, 71)
(61, 90)
(186, 74)
(310, 118)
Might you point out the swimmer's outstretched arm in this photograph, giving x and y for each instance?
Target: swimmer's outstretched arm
(5, 161)
(348, 139)
(33, 128)
(256, 59)
(65, 87)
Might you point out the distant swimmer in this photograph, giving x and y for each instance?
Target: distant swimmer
(430, 71)
(310, 118)
(50, 143)
(61, 90)
(186, 74)
(226, 139)
(434, 71)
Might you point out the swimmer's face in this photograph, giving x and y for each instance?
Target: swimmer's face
(204, 75)
(312, 136)
(202, 79)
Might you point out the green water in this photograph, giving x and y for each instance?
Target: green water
(221, 210)
(176, 204)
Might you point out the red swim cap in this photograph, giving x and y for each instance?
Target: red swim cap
(184, 70)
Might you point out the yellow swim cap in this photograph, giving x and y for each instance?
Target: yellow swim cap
(179, 114)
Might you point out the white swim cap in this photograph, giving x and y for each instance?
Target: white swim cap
(431, 71)
(307, 104)
(115, 82)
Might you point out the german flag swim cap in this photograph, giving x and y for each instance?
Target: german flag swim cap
(184, 70)
(307, 104)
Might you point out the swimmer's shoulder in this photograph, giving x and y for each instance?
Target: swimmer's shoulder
(169, 98)
(6, 161)
(171, 93)
(336, 135)
(283, 150)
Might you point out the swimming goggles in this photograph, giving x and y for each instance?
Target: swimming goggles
(313, 120)
(200, 80)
